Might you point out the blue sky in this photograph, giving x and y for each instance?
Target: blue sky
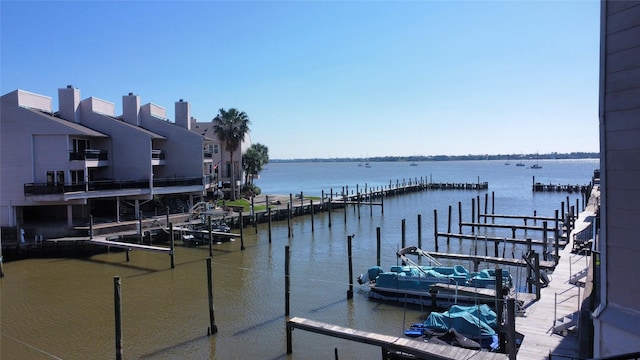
(330, 78)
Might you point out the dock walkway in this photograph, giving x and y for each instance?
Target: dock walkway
(419, 348)
(540, 318)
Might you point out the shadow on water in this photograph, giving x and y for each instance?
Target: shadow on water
(173, 347)
(280, 318)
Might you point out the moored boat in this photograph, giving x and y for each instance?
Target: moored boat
(414, 283)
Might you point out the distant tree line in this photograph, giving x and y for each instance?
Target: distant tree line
(504, 157)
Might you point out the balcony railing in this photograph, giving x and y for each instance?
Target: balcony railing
(89, 154)
(49, 189)
(157, 155)
(208, 154)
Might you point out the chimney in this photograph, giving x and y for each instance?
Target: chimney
(69, 104)
(183, 114)
(131, 109)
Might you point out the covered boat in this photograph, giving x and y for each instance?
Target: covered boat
(414, 283)
(477, 322)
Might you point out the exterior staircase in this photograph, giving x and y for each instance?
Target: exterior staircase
(575, 278)
(565, 322)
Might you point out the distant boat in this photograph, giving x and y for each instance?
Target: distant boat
(520, 164)
(367, 165)
(536, 165)
(413, 164)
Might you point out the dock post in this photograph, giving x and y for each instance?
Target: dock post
(499, 308)
(312, 211)
(140, 226)
(449, 227)
(126, 251)
(486, 204)
(212, 319)
(378, 247)
(167, 216)
(241, 231)
(287, 282)
(90, 227)
(473, 215)
(403, 232)
(344, 202)
(459, 217)
(435, 227)
(210, 235)
(269, 218)
(419, 231)
(557, 240)
(370, 202)
(289, 234)
(382, 204)
(545, 240)
(493, 203)
(301, 203)
(329, 205)
(511, 328)
(358, 195)
(536, 276)
(289, 342)
(478, 210)
(172, 245)
(117, 299)
(254, 215)
(350, 291)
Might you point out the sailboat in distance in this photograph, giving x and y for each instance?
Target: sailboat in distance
(536, 165)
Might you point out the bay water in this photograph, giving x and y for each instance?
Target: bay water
(63, 308)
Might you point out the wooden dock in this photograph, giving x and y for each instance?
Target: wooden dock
(558, 300)
(101, 241)
(544, 265)
(388, 343)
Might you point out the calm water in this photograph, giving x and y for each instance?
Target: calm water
(63, 308)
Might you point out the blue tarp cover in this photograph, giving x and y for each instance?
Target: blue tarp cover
(470, 320)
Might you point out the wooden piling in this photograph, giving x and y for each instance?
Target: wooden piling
(117, 301)
(420, 231)
(460, 217)
(511, 328)
(435, 227)
(486, 204)
(90, 228)
(449, 226)
(378, 247)
(241, 219)
(287, 282)
(312, 210)
(213, 328)
(269, 218)
(172, 246)
(403, 232)
(473, 215)
(289, 232)
(210, 235)
(350, 291)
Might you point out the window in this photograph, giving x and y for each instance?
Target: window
(80, 145)
(50, 179)
(215, 149)
(60, 177)
(77, 177)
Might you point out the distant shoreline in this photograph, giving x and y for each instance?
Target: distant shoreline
(505, 157)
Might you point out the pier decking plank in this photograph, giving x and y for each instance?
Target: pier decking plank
(422, 349)
(124, 245)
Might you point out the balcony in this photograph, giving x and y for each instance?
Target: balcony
(92, 157)
(31, 189)
(158, 157)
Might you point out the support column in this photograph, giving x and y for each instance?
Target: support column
(70, 215)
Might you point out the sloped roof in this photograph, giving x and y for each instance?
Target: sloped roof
(81, 129)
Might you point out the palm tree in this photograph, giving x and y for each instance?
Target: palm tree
(253, 161)
(230, 127)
